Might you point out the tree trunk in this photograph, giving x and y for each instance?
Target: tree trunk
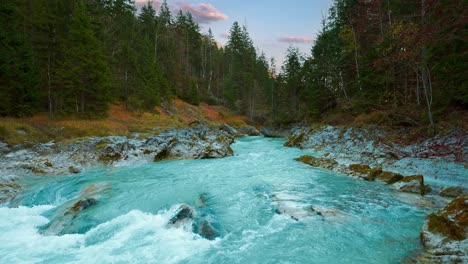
(358, 75)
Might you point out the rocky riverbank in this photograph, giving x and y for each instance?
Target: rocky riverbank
(72, 157)
(437, 166)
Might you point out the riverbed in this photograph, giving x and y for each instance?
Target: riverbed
(264, 206)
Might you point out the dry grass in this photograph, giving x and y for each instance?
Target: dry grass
(42, 128)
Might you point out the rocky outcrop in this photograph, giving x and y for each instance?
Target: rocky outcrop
(9, 188)
(370, 154)
(444, 234)
(197, 142)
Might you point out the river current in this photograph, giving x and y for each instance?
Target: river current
(258, 201)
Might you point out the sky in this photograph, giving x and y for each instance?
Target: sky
(273, 25)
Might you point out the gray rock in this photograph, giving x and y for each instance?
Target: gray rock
(412, 184)
(249, 131)
(275, 132)
(183, 215)
(197, 142)
(228, 129)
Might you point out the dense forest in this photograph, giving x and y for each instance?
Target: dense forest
(74, 58)
(407, 59)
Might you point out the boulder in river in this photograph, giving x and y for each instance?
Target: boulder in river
(389, 177)
(325, 163)
(360, 168)
(81, 205)
(412, 184)
(444, 234)
(207, 230)
(183, 215)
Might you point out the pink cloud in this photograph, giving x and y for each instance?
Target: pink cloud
(296, 39)
(203, 13)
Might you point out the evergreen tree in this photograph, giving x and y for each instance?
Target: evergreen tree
(84, 73)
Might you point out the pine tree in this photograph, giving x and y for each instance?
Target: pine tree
(18, 78)
(84, 73)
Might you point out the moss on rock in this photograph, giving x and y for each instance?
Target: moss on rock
(452, 221)
(360, 168)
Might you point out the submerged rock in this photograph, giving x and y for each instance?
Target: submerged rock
(326, 212)
(444, 234)
(207, 231)
(292, 210)
(81, 205)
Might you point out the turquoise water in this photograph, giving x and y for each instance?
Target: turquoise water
(361, 222)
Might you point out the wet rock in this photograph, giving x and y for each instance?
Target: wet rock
(197, 142)
(73, 169)
(296, 213)
(162, 155)
(412, 184)
(326, 212)
(64, 219)
(248, 130)
(389, 177)
(184, 214)
(9, 189)
(325, 163)
(295, 139)
(372, 174)
(207, 231)
(444, 234)
(453, 191)
(360, 168)
(81, 205)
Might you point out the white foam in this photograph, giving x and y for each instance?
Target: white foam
(134, 237)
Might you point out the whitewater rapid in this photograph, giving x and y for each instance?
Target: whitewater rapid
(260, 200)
